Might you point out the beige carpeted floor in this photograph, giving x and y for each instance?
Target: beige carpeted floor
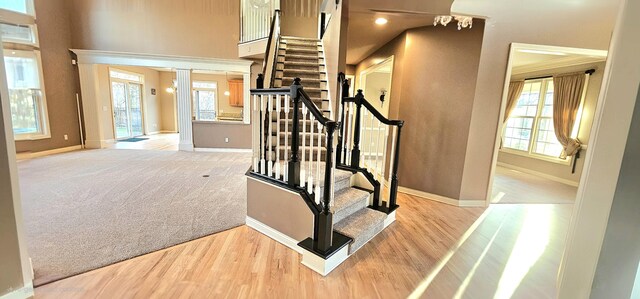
(87, 209)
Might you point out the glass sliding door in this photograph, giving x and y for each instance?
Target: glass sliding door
(135, 110)
(127, 108)
(120, 110)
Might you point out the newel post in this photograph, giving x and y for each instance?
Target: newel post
(260, 81)
(294, 161)
(393, 189)
(325, 221)
(355, 152)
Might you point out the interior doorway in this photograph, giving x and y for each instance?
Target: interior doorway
(537, 161)
(126, 100)
(375, 82)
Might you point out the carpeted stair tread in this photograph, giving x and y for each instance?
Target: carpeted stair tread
(361, 226)
(349, 201)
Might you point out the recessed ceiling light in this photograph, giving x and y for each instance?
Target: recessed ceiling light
(381, 21)
(542, 52)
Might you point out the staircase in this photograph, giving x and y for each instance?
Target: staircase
(300, 148)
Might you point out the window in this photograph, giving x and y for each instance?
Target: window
(529, 130)
(26, 94)
(20, 6)
(19, 34)
(204, 100)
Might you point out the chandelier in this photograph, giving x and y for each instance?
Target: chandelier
(463, 21)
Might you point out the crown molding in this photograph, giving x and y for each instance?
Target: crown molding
(162, 61)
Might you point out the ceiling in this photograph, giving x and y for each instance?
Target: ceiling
(365, 37)
(534, 59)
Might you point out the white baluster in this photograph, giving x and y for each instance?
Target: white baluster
(256, 135)
(310, 164)
(349, 133)
(378, 153)
(270, 156)
(303, 177)
(263, 112)
(318, 158)
(384, 149)
(371, 144)
(278, 110)
(286, 138)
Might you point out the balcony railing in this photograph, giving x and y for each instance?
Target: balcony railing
(255, 19)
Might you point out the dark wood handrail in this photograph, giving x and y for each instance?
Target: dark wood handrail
(284, 90)
(276, 15)
(360, 98)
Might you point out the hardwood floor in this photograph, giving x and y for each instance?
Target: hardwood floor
(430, 251)
(513, 186)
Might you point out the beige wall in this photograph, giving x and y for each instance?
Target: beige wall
(60, 77)
(202, 28)
(281, 210)
(334, 44)
(300, 18)
(168, 105)
(432, 90)
(545, 22)
(555, 169)
(208, 134)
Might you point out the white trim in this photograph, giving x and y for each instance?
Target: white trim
(222, 150)
(608, 140)
(274, 234)
(443, 199)
(558, 63)
(162, 61)
(22, 293)
(31, 155)
(540, 174)
(322, 266)
(391, 218)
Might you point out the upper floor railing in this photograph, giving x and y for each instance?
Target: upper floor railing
(255, 18)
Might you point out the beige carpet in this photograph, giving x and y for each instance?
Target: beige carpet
(512, 186)
(87, 209)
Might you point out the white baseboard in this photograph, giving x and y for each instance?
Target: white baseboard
(222, 150)
(540, 174)
(322, 266)
(187, 147)
(273, 234)
(443, 199)
(391, 218)
(31, 155)
(21, 293)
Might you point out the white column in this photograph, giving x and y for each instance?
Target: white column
(185, 126)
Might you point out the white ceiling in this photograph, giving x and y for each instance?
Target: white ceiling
(365, 37)
(528, 60)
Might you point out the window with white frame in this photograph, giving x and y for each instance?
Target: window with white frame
(19, 6)
(26, 94)
(204, 100)
(529, 129)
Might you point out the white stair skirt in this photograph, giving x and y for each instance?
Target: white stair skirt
(310, 259)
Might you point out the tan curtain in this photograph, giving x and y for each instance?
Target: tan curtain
(567, 94)
(515, 90)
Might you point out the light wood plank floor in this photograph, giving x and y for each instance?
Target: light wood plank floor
(433, 250)
(513, 186)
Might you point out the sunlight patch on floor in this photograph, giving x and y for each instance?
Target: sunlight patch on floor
(529, 247)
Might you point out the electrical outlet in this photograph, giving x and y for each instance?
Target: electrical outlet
(226, 139)
(66, 137)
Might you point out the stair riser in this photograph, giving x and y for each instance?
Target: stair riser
(301, 58)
